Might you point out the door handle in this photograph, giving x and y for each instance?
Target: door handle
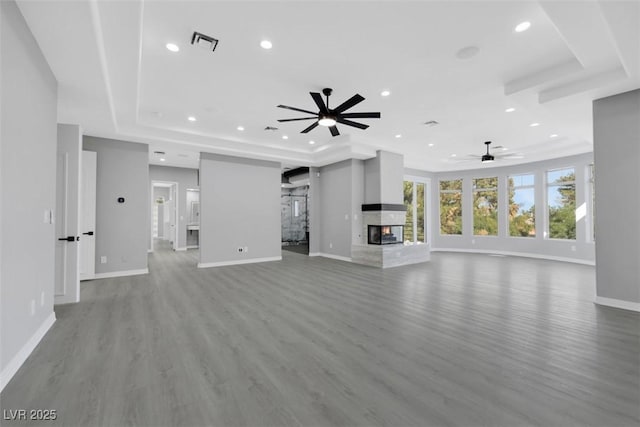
(88, 233)
(69, 238)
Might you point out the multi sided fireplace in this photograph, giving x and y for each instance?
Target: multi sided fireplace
(385, 234)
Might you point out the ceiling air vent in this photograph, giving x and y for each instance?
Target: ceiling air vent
(159, 152)
(203, 41)
(270, 128)
(431, 123)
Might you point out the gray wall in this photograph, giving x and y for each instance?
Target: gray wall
(341, 197)
(581, 249)
(121, 228)
(616, 128)
(186, 178)
(383, 178)
(239, 207)
(27, 185)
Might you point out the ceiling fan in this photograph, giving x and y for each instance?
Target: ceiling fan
(488, 157)
(329, 117)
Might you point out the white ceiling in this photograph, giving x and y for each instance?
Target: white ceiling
(117, 79)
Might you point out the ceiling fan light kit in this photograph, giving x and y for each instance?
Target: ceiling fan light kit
(329, 117)
(487, 158)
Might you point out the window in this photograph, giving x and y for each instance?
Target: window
(561, 203)
(414, 202)
(451, 207)
(485, 206)
(522, 208)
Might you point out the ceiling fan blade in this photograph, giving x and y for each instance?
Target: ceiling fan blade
(317, 98)
(334, 130)
(361, 115)
(296, 109)
(355, 99)
(350, 123)
(295, 120)
(313, 126)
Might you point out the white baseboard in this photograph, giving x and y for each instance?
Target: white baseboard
(315, 254)
(238, 262)
(337, 257)
(618, 303)
(180, 249)
(193, 247)
(16, 362)
(520, 254)
(122, 273)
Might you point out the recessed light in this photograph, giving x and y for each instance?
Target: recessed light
(398, 136)
(523, 26)
(385, 93)
(191, 119)
(510, 110)
(266, 44)
(453, 155)
(312, 142)
(431, 145)
(172, 47)
(163, 160)
(534, 124)
(553, 135)
(240, 128)
(285, 137)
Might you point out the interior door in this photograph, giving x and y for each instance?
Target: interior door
(88, 215)
(67, 278)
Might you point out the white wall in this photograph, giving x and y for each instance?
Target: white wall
(239, 207)
(28, 188)
(579, 250)
(122, 229)
(616, 122)
(186, 178)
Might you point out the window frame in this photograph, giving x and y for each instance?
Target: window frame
(475, 190)
(461, 191)
(426, 205)
(547, 185)
(519, 187)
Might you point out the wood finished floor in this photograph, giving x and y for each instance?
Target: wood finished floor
(465, 340)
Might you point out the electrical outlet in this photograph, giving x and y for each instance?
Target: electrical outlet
(103, 259)
(240, 249)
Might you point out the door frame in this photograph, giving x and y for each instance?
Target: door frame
(169, 184)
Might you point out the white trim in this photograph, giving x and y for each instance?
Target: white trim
(16, 362)
(121, 273)
(238, 262)
(193, 247)
(180, 249)
(315, 254)
(520, 254)
(618, 303)
(337, 257)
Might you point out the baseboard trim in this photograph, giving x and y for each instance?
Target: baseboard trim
(520, 254)
(238, 262)
(180, 249)
(121, 273)
(18, 360)
(193, 247)
(315, 254)
(618, 303)
(336, 257)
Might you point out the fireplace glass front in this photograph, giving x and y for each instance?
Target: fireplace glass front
(385, 234)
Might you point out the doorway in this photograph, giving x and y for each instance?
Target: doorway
(294, 211)
(164, 214)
